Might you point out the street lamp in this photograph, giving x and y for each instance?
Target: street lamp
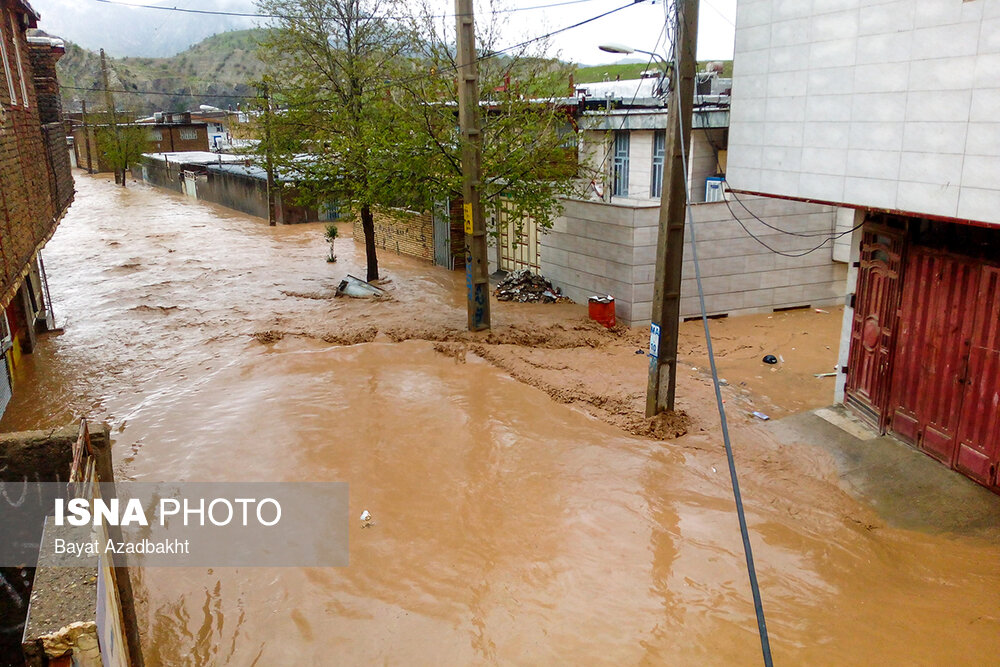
(613, 47)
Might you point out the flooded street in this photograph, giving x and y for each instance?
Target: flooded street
(513, 523)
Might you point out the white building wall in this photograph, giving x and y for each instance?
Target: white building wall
(887, 104)
(597, 248)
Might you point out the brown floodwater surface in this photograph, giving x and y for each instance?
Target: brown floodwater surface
(508, 528)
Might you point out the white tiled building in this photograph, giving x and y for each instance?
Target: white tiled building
(892, 108)
(606, 243)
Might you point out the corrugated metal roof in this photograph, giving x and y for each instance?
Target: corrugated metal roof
(196, 157)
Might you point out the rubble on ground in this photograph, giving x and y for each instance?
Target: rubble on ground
(523, 286)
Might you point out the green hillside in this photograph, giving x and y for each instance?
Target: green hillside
(204, 74)
(222, 65)
(599, 73)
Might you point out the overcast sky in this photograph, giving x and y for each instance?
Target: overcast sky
(148, 32)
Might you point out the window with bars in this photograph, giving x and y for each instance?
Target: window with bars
(659, 150)
(620, 166)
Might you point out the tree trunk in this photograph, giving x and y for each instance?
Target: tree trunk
(368, 225)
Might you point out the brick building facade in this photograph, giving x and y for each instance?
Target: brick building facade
(36, 184)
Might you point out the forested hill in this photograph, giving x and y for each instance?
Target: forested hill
(206, 73)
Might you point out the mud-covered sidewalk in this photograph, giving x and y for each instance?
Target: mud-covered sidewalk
(525, 510)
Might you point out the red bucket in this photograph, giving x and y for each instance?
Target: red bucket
(602, 309)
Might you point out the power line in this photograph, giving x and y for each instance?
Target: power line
(444, 70)
(758, 604)
(189, 10)
(832, 237)
(163, 93)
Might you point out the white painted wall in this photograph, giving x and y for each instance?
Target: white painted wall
(598, 248)
(702, 161)
(891, 104)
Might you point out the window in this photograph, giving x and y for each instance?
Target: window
(155, 135)
(189, 135)
(620, 173)
(6, 65)
(659, 150)
(15, 34)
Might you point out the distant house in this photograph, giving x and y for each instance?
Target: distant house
(891, 109)
(176, 133)
(605, 241)
(222, 126)
(35, 181)
(166, 133)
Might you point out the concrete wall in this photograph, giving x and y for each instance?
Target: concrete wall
(600, 248)
(880, 104)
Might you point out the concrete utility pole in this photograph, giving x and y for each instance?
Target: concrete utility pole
(86, 135)
(268, 162)
(477, 271)
(673, 209)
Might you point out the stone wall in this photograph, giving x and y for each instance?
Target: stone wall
(596, 248)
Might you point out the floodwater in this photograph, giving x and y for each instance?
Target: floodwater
(508, 528)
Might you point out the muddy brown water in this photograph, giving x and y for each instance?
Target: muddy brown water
(508, 528)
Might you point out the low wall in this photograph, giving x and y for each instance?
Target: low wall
(601, 248)
(404, 233)
(243, 194)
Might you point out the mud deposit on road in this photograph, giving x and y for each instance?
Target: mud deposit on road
(518, 519)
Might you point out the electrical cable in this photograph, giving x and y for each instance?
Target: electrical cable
(188, 10)
(744, 532)
(444, 70)
(829, 238)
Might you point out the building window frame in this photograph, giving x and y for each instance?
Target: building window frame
(659, 153)
(6, 59)
(15, 32)
(620, 163)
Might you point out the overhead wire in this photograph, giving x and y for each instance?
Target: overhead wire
(439, 72)
(734, 477)
(210, 12)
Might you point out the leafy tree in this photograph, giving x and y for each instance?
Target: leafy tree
(327, 65)
(529, 138)
(122, 145)
(369, 92)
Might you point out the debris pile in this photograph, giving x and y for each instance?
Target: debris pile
(524, 286)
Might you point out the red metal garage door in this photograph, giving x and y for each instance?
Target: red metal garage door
(945, 378)
(978, 451)
(939, 304)
(875, 312)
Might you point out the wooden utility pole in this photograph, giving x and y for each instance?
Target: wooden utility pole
(86, 135)
(477, 271)
(673, 209)
(109, 101)
(268, 162)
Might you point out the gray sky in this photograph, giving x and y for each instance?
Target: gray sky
(136, 31)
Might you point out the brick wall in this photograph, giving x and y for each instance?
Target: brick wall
(43, 64)
(35, 183)
(403, 232)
